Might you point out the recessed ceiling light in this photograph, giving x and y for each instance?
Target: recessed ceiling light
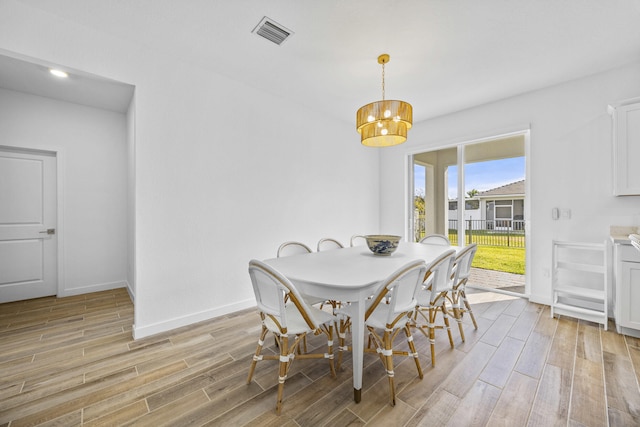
(58, 73)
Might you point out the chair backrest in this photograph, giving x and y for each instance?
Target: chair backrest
(270, 288)
(328, 243)
(357, 239)
(635, 240)
(436, 239)
(438, 276)
(399, 290)
(293, 248)
(462, 263)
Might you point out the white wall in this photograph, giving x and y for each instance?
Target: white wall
(91, 152)
(570, 162)
(223, 172)
(222, 179)
(131, 199)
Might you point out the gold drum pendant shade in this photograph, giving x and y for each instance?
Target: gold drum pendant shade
(384, 123)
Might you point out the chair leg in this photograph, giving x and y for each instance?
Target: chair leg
(283, 369)
(432, 333)
(329, 354)
(388, 362)
(341, 348)
(463, 296)
(256, 355)
(340, 331)
(412, 347)
(445, 317)
(457, 312)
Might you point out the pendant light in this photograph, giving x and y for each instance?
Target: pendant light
(384, 123)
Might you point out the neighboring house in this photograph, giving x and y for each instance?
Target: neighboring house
(501, 208)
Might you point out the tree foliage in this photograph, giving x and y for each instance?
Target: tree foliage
(418, 203)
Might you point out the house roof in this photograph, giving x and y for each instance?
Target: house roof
(512, 189)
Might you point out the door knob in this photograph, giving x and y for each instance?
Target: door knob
(49, 231)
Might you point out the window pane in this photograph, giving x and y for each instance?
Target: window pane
(518, 209)
(472, 205)
(503, 212)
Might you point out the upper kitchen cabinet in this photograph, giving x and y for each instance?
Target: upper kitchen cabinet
(626, 147)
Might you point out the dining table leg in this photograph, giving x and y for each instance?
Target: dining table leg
(357, 347)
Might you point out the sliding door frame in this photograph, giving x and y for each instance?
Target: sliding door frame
(460, 145)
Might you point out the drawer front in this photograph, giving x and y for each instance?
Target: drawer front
(628, 253)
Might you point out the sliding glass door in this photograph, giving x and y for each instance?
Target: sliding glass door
(475, 193)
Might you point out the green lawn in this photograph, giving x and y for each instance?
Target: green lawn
(500, 258)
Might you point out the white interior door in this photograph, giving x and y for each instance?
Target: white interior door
(28, 243)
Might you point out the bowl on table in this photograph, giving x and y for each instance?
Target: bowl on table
(382, 244)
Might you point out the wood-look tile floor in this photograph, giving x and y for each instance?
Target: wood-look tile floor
(72, 361)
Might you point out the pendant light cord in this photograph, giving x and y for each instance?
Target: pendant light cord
(383, 81)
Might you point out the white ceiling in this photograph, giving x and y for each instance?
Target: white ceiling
(81, 88)
(446, 55)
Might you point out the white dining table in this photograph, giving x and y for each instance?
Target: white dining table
(350, 275)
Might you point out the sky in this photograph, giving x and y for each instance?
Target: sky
(481, 176)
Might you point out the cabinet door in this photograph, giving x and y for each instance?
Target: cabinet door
(626, 150)
(629, 297)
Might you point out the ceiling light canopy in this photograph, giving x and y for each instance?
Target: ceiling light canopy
(384, 123)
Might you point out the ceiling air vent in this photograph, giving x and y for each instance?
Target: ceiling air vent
(272, 31)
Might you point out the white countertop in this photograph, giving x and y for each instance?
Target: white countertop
(620, 234)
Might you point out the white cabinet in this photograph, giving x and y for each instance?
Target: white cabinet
(626, 147)
(579, 281)
(627, 287)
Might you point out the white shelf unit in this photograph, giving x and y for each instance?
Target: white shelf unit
(579, 281)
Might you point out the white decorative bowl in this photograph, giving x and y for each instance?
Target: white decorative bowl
(382, 244)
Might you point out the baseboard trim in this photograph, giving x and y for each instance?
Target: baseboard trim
(177, 322)
(92, 288)
(132, 293)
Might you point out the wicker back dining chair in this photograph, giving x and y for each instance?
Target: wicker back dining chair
(433, 297)
(296, 248)
(328, 243)
(436, 239)
(461, 273)
(357, 239)
(389, 312)
(293, 248)
(290, 322)
(635, 240)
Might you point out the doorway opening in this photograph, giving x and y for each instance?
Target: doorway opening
(475, 192)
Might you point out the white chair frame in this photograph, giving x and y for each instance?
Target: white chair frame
(436, 239)
(283, 319)
(432, 299)
(461, 273)
(390, 311)
(328, 243)
(354, 239)
(292, 248)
